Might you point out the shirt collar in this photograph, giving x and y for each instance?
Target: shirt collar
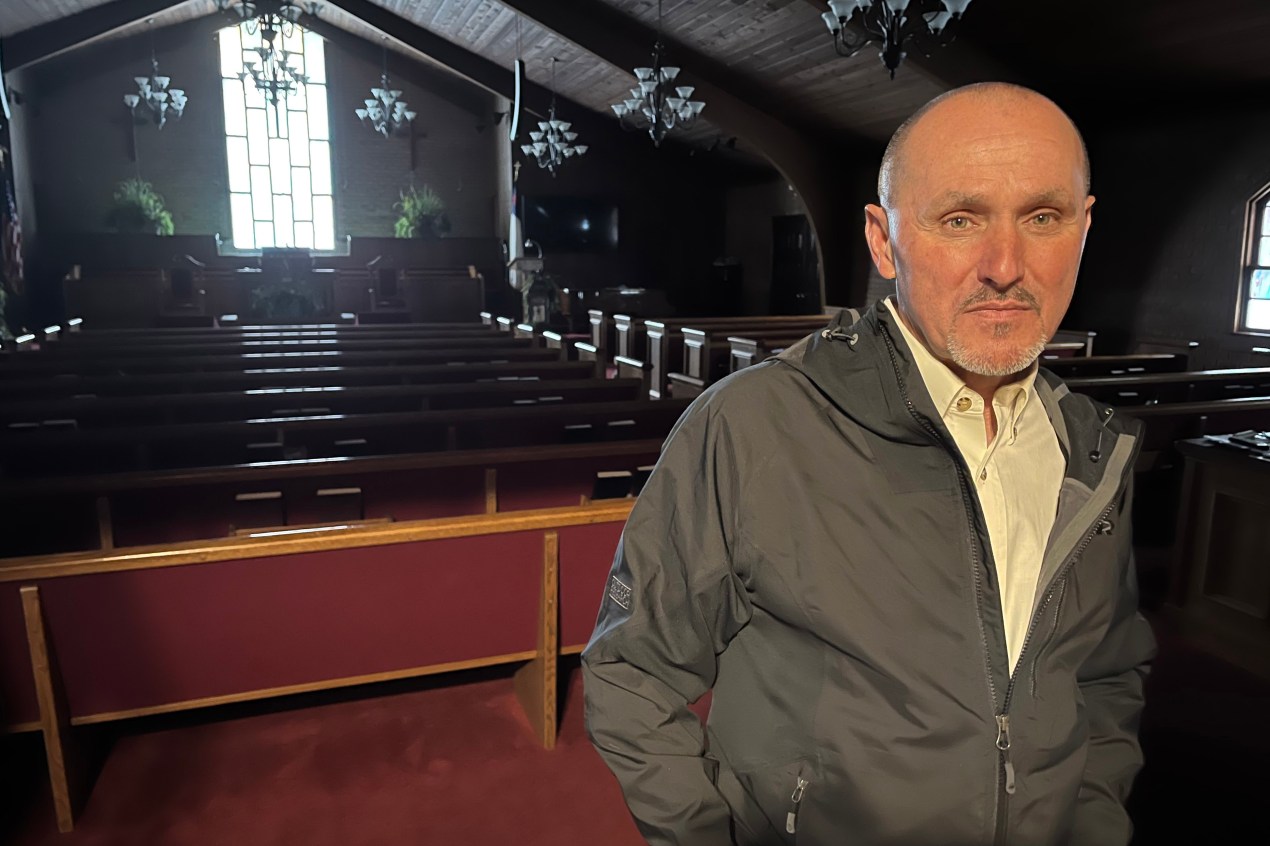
(946, 387)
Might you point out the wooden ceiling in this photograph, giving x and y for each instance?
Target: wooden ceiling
(776, 55)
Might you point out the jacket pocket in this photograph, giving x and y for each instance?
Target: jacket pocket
(802, 782)
(782, 794)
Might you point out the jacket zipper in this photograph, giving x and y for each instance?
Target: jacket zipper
(1005, 776)
(1007, 782)
(795, 800)
(1005, 785)
(1058, 613)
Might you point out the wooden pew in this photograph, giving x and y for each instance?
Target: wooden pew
(70, 353)
(1187, 386)
(630, 332)
(1065, 349)
(34, 365)
(633, 368)
(46, 451)
(1113, 365)
(288, 377)
(603, 331)
(103, 412)
(88, 332)
(85, 512)
(706, 349)
(146, 630)
(160, 342)
(1078, 336)
(745, 351)
(666, 337)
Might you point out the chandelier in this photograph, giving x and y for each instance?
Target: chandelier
(258, 14)
(385, 111)
(651, 104)
(274, 75)
(553, 142)
(153, 92)
(892, 24)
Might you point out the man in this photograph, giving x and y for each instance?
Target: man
(898, 554)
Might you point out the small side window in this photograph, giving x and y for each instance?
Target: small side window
(1254, 287)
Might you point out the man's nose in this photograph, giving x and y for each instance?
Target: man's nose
(1001, 263)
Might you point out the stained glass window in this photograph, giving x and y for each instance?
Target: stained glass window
(279, 156)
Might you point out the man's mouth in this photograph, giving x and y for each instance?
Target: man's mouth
(999, 307)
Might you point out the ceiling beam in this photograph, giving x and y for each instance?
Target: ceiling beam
(463, 62)
(40, 42)
(813, 165)
(474, 100)
(535, 97)
(627, 43)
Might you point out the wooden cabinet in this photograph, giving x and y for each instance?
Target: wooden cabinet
(1221, 581)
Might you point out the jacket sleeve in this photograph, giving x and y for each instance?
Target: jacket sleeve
(671, 605)
(1112, 680)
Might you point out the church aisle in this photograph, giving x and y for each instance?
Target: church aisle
(451, 765)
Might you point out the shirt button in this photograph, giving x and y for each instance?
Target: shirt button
(983, 475)
(963, 403)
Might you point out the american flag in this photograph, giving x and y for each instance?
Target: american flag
(10, 240)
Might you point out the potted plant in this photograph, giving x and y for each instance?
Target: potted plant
(139, 209)
(421, 214)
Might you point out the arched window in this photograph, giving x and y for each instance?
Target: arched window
(1254, 289)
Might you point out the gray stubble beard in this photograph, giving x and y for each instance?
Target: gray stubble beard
(981, 363)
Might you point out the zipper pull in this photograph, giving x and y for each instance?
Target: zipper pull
(791, 819)
(1003, 744)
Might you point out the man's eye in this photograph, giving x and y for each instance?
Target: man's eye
(1044, 218)
(958, 222)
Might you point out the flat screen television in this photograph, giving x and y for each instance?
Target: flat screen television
(570, 224)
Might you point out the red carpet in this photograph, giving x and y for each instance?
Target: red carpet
(450, 762)
(449, 766)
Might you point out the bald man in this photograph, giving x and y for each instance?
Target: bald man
(899, 553)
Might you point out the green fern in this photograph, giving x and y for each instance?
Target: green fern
(421, 214)
(139, 208)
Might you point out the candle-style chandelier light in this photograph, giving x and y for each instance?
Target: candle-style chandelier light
(652, 104)
(160, 101)
(385, 110)
(892, 25)
(276, 20)
(553, 141)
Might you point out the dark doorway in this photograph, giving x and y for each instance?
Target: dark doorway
(795, 267)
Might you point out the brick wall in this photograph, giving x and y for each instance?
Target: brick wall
(455, 150)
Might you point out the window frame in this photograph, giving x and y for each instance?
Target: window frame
(1256, 227)
(283, 133)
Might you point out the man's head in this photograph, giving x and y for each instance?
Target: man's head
(984, 210)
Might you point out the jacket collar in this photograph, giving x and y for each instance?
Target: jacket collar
(866, 369)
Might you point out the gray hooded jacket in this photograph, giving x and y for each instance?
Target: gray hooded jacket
(810, 547)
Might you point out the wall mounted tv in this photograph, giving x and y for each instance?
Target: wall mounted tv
(570, 224)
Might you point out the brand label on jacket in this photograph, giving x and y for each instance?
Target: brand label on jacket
(619, 593)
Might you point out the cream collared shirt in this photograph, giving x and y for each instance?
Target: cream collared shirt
(1017, 477)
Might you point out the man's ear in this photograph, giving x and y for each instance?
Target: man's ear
(877, 232)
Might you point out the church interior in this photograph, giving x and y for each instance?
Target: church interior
(337, 344)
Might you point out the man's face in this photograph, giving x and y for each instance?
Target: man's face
(986, 230)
